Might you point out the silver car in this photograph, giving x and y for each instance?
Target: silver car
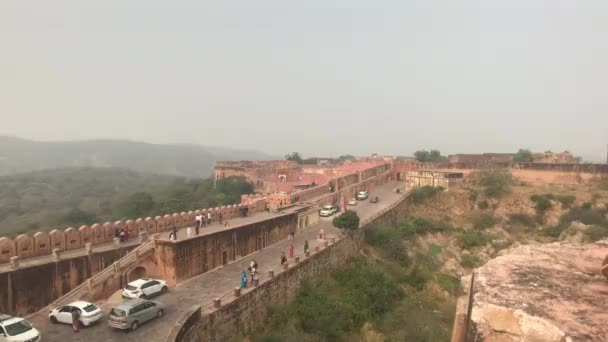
(132, 313)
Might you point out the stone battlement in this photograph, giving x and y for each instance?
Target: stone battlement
(42, 244)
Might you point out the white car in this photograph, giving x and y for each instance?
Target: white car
(16, 329)
(145, 288)
(362, 195)
(328, 210)
(352, 201)
(89, 313)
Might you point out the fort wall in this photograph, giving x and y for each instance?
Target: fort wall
(41, 244)
(26, 290)
(239, 316)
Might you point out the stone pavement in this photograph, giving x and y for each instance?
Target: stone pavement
(204, 288)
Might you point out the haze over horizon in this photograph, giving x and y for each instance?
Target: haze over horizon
(319, 77)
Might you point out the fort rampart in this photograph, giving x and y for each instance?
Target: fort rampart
(235, 316)
(42, 244)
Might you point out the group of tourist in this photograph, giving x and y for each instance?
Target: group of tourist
(253, 265)
(121, 233)
(203, 220)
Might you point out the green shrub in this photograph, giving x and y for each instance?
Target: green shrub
(469, 261)
(420, 226)
(566, 200)
(420, 195)
(592, 216)
(495, 182)
(483, 205)
(348, 221)
(388, 240)
(471, 239)
(449, 283)
(434, 250)
(522, 219)
(484, 221)
(543, 202)
(596, 233)
(555, 231)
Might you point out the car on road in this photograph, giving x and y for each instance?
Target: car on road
(89, 313)
(131, 314)
(362, 195)
(328, 210)
(145, 288)
(352, 201)
(17, 329)
(374, 199)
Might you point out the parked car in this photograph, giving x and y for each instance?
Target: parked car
(134, 312)
(17, 329)
(352, 201)
(362, 195)
(145, 288)
(328, 210)
(89, 313)
(374, 199)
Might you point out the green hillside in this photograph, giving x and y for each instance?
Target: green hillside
(20, 155)
(59, 198)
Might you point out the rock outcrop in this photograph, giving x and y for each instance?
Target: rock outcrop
(551, 292)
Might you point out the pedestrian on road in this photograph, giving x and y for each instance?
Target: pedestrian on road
(305, 246)
(209, 218)
(291, 250)
(243, 279)
(203, 220)
(283, 258)
(189, 232)
(254, 267)
(75, 318)
(199, 220)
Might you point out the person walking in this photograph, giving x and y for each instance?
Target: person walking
(243, 279)
(203, 220)
(199, 219)
(220, 217)
(209, 218)
(305, 246)
(291, 250)
(173, 234)
(283, 258)
(75, 318)
(189, 232)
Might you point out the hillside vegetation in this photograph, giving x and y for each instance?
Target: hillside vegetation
(44, 200)
(20, 155)
(404, 286)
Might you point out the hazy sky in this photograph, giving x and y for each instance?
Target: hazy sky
(317, 76)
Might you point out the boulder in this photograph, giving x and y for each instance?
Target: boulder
(544, 292)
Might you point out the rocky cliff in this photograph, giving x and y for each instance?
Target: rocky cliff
(545, 292)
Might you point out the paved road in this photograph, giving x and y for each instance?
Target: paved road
(204, 288)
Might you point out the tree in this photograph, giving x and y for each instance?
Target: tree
(294, 156)
(348, 221)
(346, 157)
(433, 156)
(138, 205)
(523, 155)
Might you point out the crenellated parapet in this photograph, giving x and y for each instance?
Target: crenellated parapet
(42, 243)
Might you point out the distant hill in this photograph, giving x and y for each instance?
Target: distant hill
(19, 155)
(58, 198)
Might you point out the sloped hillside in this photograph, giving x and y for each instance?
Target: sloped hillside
(20, 155)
